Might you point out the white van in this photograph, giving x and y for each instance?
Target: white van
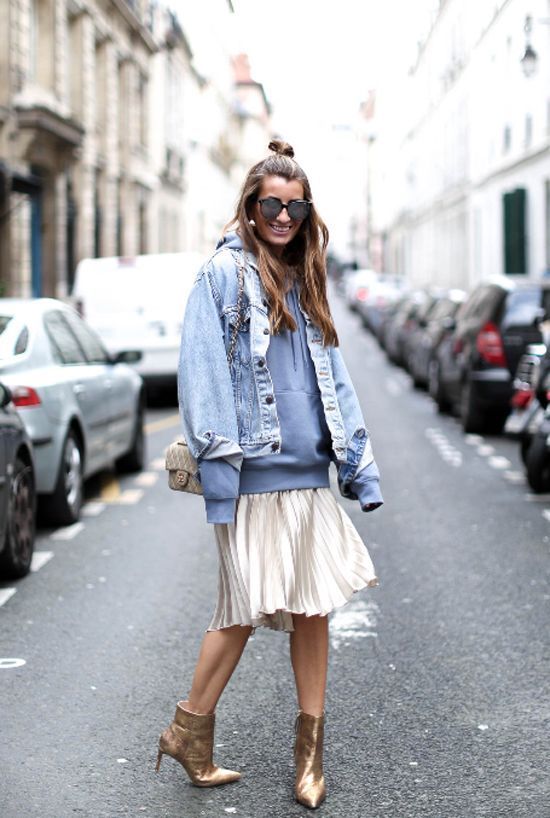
(138, 303)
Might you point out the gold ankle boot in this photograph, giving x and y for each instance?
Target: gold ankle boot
(190, 740)
(308, 754)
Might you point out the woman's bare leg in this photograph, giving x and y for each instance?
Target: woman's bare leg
(309, 656)
(219, 656)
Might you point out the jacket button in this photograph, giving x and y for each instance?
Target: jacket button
(266, 331)
(360, 433)
(261, 362)
(274, 447)
(269, 399)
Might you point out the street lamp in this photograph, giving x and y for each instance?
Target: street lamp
(530, 59)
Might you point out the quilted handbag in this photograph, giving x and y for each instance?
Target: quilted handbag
(183, 469)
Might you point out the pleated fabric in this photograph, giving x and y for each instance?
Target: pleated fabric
(288, 552)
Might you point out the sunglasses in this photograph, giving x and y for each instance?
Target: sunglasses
(297, 209)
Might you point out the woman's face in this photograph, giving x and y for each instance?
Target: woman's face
(280, 230)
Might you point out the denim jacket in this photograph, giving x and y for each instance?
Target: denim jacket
(230, 412)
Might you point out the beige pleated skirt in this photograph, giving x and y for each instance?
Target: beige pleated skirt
(288, 552)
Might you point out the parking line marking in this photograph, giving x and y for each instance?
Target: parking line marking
(546, 514)
(146, 478)
(5, 594)
(165, 423)
(110, 488)
(498, 462)
(130, 496)
(39, 559)
(485, 450)
(473, 440)
(69, 532)
(515, 476)
(93, 508)
(157, 464)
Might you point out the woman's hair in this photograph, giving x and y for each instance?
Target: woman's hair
(306, 252)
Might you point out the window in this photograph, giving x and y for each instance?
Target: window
(93, 348)
(14, 337)
(523, 307)
(515, 232)
(65, 347)
(507, 139)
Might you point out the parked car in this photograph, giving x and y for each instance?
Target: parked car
(402, 323)
(537, 450)
(17, 492)
(82, 408)
(474, 365)
(382, 293)
(138, 303)
(524, 419)
(356, 286)
(433, 322)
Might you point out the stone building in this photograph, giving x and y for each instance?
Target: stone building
(112, 140)
(463, 155)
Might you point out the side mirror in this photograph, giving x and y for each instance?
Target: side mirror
(5, 396)
(127, 356)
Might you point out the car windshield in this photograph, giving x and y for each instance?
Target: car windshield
(14, 337)
(524, 306)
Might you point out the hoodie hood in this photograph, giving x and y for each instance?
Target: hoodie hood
(231, 240)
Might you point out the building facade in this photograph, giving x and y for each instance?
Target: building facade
(463, 161)
(112, 140)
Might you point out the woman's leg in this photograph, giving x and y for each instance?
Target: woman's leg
(309, 656)
(219, 656)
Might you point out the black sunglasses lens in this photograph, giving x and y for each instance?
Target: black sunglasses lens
(298, 211)
(271, 207)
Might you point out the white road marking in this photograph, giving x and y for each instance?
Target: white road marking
(357, 621)
(69, 532)
(473, 440)
(515, 476)
(129, 497)
(146, 478)
(447, 451)
(157, 464)
(93, 508)
(5, 594)
(39, 559)
(485, 450)
(9, 664)
(497, 462)
(546, 514)
(393, 387)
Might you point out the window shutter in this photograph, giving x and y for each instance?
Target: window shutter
(515, 237)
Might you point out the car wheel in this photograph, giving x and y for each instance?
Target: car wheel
(63, 506)
(538, 464)
(134, 459)
(470, 414)
(435, 387)
(16, 556)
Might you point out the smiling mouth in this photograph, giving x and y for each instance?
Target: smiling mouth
(279, 229)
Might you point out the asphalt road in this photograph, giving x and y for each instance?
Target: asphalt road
(439, 701)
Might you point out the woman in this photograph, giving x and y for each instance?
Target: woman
(266, 405)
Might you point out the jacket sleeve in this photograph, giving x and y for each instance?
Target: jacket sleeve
(362, 481)
(206, 401)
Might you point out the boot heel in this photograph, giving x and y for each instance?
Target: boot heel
(159, 759)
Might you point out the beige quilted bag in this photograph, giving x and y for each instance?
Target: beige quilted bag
(181, 465)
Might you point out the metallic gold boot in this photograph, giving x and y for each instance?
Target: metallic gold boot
(190, 740)
(308, 754)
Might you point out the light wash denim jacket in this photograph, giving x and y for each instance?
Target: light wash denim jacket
(231, 412)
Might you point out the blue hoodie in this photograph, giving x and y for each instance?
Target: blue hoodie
(306, 449)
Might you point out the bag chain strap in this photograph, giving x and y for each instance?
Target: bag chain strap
(238, 323)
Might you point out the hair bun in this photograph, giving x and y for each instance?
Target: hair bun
(281, 148)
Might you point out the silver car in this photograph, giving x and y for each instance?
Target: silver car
(83, 409)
